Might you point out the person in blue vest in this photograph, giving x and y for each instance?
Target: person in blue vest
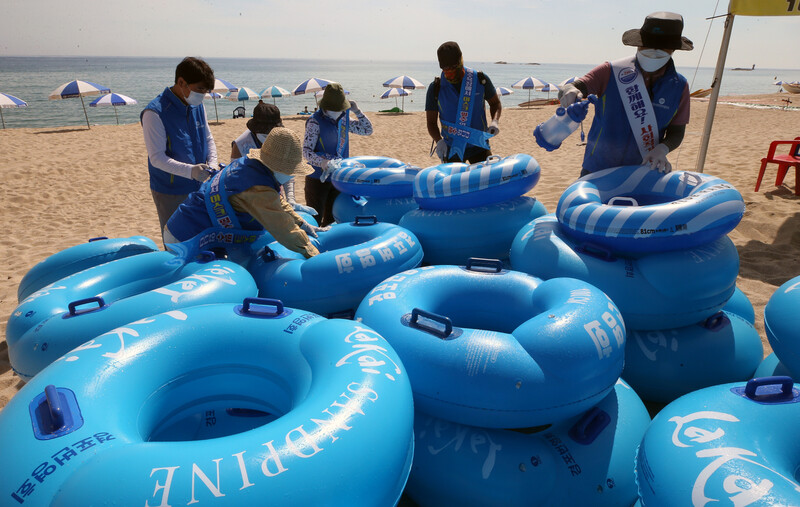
(455, 99)
(643, 104)
(181, 152)
(246, 195)
(326, 141)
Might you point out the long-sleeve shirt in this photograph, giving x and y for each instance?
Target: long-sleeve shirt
(155, 140)
(361, 126)
(277, 217)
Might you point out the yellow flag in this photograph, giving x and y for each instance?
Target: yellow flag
(765, 7)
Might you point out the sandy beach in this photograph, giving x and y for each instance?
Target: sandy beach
(66, 185)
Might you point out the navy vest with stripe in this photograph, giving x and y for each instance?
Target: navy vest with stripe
(186, 141)
(192, 216)
(447, 102)
(610, 142)
(328, 140)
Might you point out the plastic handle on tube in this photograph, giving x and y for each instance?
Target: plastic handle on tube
(416, 313)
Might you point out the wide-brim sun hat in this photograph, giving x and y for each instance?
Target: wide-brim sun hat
(265, 118)
(333, 98)
(282, 152)
(660, 30)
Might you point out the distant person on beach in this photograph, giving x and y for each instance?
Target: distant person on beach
(327, 140)
(265, 118)
(645, 102)
(464, 133)
(181, 152)
(249, 192)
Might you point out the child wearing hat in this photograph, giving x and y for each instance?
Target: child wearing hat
(327, 139)
(249, 192)
(645, 100)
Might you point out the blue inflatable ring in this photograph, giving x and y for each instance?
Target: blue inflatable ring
(66, 313)
(371, 176)
(353, 259)
(662, 365)
(731, 444)
(780, 324)
(79, 257)
(457, 185)
(582, 460)
(636, 209)
(225, 404)
(495, 348)
(347, 207)
(654, 291)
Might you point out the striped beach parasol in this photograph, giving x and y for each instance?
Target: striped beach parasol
(80, 89)
(9, 101)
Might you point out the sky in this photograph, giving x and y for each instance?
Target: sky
(516, 31)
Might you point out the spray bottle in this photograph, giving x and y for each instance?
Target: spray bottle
(550, 134)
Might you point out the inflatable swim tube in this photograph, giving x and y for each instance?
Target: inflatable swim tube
(662, 365)
(390, 210)
(655, 291)
(636, 209)
(740, 304)
(583, 460)
(771, 367)
(79, 257)
(732, 444)
(457, 185)
(370, 176)
(453, 236)
(353, 259)
(495, 348)
(66, 313)
(316, 395)
(780, 324)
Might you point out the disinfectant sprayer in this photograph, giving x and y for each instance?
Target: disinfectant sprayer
(550, 134)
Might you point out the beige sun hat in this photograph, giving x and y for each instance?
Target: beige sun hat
(282, 152)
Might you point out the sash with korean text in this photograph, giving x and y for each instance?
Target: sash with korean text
(636, 101)
(459, 134)
(218, 206)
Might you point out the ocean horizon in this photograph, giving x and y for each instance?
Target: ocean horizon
(32, 79)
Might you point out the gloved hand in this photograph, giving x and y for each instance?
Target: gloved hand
(312, 230)
(440, 149)
(201, 172)
(305, 209)
(354, 107)
(493, 128)
(657, 158)
(569, 95)
(331, 166)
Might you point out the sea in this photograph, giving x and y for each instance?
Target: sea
(32, 79)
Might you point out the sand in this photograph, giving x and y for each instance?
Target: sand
(63, 186)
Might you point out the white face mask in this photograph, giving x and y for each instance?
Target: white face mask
(282, 178)
(194, 98)
(652, 59)
(333, 115)
(261, 138)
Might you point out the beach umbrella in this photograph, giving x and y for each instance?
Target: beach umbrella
(396, 92)
(320, 93)
(274, 91)
(404, 82)
(215, 96)
(529, 83)
(548, 87)
(311, 85)
(568, 80)
(502, 90)
(113, 99)
(9, 101)
(78, 89)
(220, 86)
(243, 94)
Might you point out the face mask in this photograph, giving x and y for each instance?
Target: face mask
(195, 99)
(652, 59)
(333, 115)
(282, 178)
(453, 76)
(261, 138)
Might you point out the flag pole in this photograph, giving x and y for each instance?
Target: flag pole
(715, 86)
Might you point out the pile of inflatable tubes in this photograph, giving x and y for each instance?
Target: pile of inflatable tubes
(782, 332)
(373, 186)
(656, 244)
(473, 210)
(226, 404)
(729, 444)
(488, 349)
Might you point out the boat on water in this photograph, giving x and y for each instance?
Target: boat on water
(540, 102)
(791, 87)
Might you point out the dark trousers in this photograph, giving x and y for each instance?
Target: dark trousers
(320, 196)
(474, 158)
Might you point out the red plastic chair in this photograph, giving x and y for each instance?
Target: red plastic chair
(785, 162)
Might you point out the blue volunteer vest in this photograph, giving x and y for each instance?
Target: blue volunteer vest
(449, 104)
(186, 141)
(328, 142)
(610, 142)
(195, 214)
